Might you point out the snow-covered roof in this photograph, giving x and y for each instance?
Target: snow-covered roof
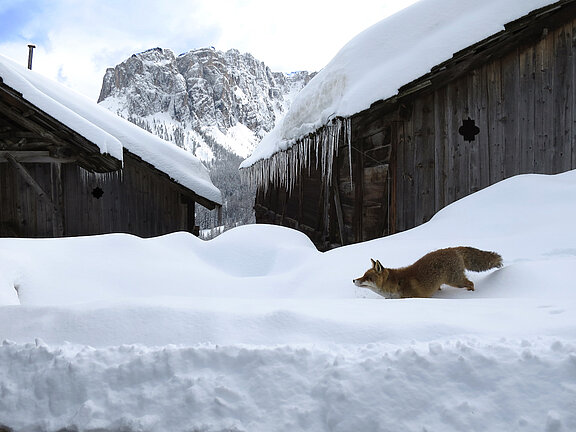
(108, 131)
(386, 56)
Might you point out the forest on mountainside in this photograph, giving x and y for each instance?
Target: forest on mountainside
(238, 205)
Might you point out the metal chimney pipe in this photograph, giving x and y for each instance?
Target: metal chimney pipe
(30, 54)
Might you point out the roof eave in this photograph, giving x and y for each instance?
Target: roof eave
(63, 142)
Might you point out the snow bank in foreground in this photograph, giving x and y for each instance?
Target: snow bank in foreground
(453, 385)
(258, 331)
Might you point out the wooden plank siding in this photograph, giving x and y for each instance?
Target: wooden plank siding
(355, 205)
(135, 200)
(49, 171)
(409, 159)
(523, 104)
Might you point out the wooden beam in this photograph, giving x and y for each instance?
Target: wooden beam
(8, 132)
(28, 179)
(49, 129)
(357, 178)
(191, 216)
(393, 173)
(33, 126)
(337, 201)
(339, 215)
(57, 200)
(34, 156)
(219, 210)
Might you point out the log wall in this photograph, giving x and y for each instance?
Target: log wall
(353, 205)
(523, 104)
(137, 200)
(409, 159)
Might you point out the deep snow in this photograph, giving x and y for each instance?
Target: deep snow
(381, 59)
(258, 331)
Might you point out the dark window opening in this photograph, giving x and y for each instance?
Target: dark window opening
(97, 192)
(469, 130)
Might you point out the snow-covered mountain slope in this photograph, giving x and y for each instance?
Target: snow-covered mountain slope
(201, 98)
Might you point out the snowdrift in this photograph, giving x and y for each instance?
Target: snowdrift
(258, 331)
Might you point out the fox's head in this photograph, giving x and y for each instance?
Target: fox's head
(374, 278)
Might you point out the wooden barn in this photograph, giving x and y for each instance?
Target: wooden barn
(502, 105)
(69, 167)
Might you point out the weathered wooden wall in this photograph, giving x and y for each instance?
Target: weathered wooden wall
(137, 200)
(352, 207)
(524, 106)
(22, 212)
(365, 195)
(303, 209)
(409, 159)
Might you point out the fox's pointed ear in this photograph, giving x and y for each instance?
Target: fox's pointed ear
(373, 263)
(378, 267)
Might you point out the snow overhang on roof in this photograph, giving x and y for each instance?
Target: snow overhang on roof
(374, 65)
(108, 131)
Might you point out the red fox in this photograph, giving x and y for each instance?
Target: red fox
(425, 276)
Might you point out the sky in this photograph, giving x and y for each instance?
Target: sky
(77, 40)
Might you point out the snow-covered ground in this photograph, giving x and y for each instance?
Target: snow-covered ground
(258, 331)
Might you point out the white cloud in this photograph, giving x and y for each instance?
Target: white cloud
(77, 41)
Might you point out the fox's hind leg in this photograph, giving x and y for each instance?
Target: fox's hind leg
(468, 284)
(462, 282)
(456, 275)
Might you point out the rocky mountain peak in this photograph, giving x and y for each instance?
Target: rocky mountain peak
(214, 104)
(201, 97)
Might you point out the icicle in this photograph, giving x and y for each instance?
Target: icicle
(348, 135)
(283, 168)
(89, 178)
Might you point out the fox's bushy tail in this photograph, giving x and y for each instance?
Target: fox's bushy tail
(478, 260)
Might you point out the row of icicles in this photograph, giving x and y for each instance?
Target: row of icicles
(283, 168)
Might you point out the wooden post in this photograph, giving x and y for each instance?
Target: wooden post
(338, 204)
(326, 227)
(57, 200)
(393, 173)
(191, 215)
(359, 194)
(300, 199)
(219, 215)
